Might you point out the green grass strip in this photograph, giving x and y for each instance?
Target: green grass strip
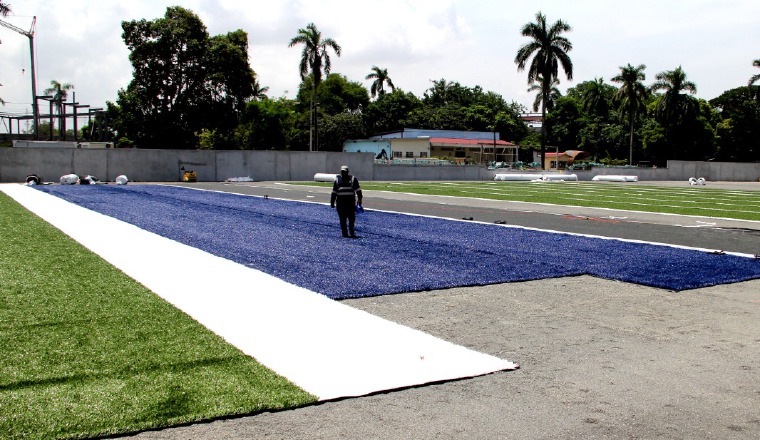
(698, 201)
(87, 351)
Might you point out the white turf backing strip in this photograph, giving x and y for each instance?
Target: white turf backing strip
(327, 348)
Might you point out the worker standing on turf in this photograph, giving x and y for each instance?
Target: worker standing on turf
(346, 195)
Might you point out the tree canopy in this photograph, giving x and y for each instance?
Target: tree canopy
(631, 96)
(184, 81)
(193, 90)
(381, 78)
(315, 59)
(547, 51)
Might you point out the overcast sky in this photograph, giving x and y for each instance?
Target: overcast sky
(472, 42)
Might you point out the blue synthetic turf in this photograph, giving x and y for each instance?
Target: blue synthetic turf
(301, 243)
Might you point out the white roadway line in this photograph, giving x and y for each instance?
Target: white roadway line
(506, 225)
(327, 348)
(481, 199)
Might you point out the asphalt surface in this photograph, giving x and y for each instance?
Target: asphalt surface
(599, 359)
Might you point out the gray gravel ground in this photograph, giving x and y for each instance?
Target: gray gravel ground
(599, 359)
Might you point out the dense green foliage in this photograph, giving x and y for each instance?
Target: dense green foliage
(191, 90)
(737, 134)
(88, 351)
(184, 81)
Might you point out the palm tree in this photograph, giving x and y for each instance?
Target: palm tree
(381, 78)
(631, 95)
(754, 78)
(673, 107)
(259, 92)
(549, 50)
(593, 98)
(554, 94)
(59, 92)
(314, 60)
(441, 93)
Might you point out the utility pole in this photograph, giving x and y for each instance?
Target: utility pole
(30, 35)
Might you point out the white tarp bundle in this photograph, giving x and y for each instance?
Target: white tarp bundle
(615, 178)
(324, 177)
(561, 177)
(239, 179)
(69, 179)
(533, 177)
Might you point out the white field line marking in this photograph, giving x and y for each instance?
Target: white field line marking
(593, 207)
(625, 197)
(552, 231)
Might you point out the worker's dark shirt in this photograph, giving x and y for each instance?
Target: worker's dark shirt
(345, 190)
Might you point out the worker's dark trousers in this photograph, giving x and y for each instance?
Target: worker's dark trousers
(347, 212)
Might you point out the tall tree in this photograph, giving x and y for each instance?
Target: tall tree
(59, 92)
(314, 60)
(554, 94)
(548, 49)
(442, 93)
(632, 96)
(677, 112)
(259, 92)
(564, 123)
(381, 78)
(184, 82)
(594, 99)
(451, 93)
(338, 95)
(391, 111)
(674, 106)
(755, 78)
(738, 134)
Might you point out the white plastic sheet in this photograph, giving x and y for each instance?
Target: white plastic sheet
(612, 178)
(324, 177)
(531, 177)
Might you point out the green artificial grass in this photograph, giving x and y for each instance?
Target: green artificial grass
(87, 351)
(687, 200)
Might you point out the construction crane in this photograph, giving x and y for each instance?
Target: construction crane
(30, 35)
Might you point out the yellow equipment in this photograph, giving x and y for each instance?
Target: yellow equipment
(189, 176)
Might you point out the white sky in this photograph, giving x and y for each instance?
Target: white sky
(472, 42)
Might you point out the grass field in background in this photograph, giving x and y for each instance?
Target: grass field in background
(88, 351)
(687, 200)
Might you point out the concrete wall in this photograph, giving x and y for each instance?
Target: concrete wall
(682, 170)
(215, 166)
(724, 171)
(166, 165)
